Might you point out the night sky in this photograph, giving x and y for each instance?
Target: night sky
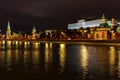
(54, 14)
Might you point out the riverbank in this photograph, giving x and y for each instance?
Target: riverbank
(93, 42)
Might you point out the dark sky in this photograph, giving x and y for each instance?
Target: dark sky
(47, 14)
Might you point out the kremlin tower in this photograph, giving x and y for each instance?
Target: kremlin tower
(113, 22)
(101, 32)
(8, 31)
(34, 33)
(104, 23)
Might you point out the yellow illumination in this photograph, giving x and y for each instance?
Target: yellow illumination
(112, 59)
(3, 42)
(16, 44)
(26, 56)
(8, 43)
(47, 59)
(16, 55)
(118, 67)
(25, 45)
(46, 45)
(36, 45)
(28, 43)
(50, 45)
(8, 57)
(84, 59)
(20, 42)
(46, 52)
(35, 56)
(62, 53)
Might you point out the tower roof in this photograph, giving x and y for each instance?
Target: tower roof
(8, 26)
(34, 29)
(103, 16)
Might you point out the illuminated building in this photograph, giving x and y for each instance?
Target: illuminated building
(100, 29)
(93, 23)
(104, 23)
(34, 33)
(101, 32)
(85, 24)
(8, 31)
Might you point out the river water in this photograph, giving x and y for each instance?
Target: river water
(53, 61)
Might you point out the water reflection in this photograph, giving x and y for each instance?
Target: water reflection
(112, 59)
(84, 59)
(59, 61)
(62, 53)
(26, 45)
(26, 56)
(47, 52)
(36, 45)
(118, 64)
(16, 56)
(8, 44)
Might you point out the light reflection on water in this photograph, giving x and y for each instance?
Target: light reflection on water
(112, 59)
(62, 53)
(84, 55)
(35, 60)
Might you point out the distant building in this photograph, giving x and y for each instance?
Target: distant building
(93, 23)
(8, 31)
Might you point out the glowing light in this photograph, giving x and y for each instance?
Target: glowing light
(16, 44)
(46, 52)
(84, 59)
(118, 67)
(25, 45)
(46, 45)
(112, 59)
(26, 56)
(35, 55)
(3, 42)
(62, 53)
(8, 57)
(36, 45)
(8, 43)
(20, 42)
(50, 45)
(17, 55)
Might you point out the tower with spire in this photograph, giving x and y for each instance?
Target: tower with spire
(8, 31)
(34, 33)
(101, 32)
(113, 22)
(104, 23)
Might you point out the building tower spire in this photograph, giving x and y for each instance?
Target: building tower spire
(103, 16)
(34, 32)
(8, 31)
(103, 23)
(8, 26)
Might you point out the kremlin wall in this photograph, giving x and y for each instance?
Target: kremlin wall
(101, 29)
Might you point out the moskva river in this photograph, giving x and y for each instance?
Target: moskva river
(55, 61)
